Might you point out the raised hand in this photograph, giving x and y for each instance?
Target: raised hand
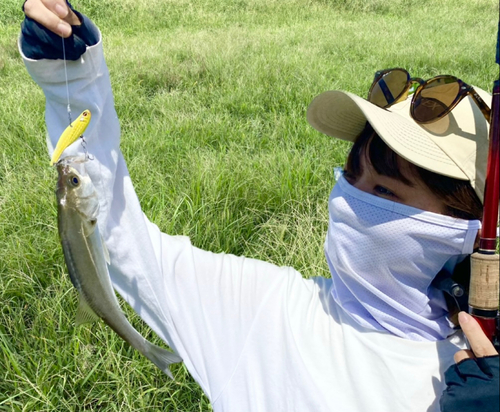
(55, 15)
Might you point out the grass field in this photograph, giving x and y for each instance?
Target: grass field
(212, 97)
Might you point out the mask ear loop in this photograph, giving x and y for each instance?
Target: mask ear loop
(444, 282)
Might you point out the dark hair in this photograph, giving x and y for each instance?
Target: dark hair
(459, 197)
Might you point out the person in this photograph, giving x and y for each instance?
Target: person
(376, 336)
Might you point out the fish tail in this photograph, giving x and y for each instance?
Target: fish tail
(161, 357)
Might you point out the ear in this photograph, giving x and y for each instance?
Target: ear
(478, 237)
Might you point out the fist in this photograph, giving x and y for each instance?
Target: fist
(55, 15)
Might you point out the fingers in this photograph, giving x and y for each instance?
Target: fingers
(462, 355)
(52, 14)
(479, 342)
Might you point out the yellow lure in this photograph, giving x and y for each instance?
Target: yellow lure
(70, 135)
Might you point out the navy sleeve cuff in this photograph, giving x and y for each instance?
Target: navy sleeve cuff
(472, 386)
(37, 42)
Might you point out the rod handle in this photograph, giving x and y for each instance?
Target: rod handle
(484, 282)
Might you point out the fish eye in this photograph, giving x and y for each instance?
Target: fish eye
(74, 181)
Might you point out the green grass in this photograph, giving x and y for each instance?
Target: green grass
(212, 97)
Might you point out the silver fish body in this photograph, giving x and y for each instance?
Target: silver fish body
(87, 260)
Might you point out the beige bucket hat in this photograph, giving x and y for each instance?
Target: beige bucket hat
(454, 146)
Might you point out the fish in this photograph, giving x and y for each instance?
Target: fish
(71, 134)
(87, 259)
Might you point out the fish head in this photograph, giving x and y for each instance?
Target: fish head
(75, 188)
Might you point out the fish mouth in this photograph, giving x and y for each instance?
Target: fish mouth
(63, 171)
(71, 160)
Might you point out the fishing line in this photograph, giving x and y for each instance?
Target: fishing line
(83, 141)
(66, 78)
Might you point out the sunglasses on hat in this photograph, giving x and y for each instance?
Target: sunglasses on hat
(432, 99)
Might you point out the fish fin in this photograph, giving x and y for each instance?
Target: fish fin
(84, 313)
(106, 251)
(89, 227)
(162, 358)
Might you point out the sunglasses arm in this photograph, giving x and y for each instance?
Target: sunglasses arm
(481, 104)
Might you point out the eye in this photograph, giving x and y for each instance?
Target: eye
(74, 181)
(383, 191)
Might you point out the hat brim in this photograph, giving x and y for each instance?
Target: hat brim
(455, 146)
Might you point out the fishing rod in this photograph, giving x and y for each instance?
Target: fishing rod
(485, 271)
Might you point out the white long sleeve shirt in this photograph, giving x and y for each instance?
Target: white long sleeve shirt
(255, 336)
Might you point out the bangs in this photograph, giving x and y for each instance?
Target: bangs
(383, 159)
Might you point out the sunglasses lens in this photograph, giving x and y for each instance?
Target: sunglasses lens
(435, 98)
(388, 89)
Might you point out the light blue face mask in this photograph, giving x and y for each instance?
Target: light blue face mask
(383, 257)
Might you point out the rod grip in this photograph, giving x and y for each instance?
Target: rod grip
(484, 288)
